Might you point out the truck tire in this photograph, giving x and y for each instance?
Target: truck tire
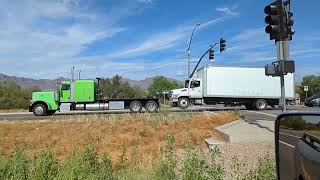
(39, 110)
(261, 104)
(183, 103)
(151, 106)
(135, 107)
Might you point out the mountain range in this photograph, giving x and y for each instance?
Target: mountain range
(50, 84)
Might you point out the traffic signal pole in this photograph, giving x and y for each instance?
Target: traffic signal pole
(283, 55)
(280, 29)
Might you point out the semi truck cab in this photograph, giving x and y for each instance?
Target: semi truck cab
(85, 95)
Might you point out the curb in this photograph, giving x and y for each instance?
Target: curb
(220, 129)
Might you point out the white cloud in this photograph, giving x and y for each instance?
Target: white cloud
(230, 11)
(39, 38)
(145, 1)
(155, 42)
(227, 11)
(164, 40)
(249, 40)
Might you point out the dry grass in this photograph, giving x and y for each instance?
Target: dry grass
(137, 138)
(12, 110)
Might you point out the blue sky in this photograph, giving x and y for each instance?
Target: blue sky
(144, 38)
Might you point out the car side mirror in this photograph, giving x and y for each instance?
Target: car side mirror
(297, 143)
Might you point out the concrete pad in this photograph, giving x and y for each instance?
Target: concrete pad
(248, 131)
(211, 142)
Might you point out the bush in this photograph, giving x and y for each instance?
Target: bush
(44, 166)
(196, 166)
(167, 165)
(83, 165)
(12, 96)
(86, 165)
(265, 170)
(17, 166)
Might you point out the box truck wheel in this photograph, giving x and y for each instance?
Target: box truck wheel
(183, 103)
(39, 110)
(135, 107)
(151, 106)
(261, 104)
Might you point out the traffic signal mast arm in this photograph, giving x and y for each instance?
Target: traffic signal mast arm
(211, 54)
(195, 68)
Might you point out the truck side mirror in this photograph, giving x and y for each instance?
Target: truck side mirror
(297, 143)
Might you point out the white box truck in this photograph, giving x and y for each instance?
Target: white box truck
(247, 86)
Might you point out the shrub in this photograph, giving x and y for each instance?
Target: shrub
(265, 170)
(215, 170)
(167, 165)
(83, 165)
(44, 166)
(105, 171)
(196, 166)
(17, 166)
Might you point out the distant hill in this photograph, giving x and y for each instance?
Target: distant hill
(49, 84)
(44, 84)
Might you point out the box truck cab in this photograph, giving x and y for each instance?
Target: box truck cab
(85, 95)
(248, 86)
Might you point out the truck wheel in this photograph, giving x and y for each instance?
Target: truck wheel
(39, 110)
(183, 103)
(50, 112)
(261, 104)
(151, 106)
(135, 107)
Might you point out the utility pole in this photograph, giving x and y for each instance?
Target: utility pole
(189, 48)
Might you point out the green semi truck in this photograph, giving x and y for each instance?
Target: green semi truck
(85, 95)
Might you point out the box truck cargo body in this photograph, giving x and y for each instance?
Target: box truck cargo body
(247, 86)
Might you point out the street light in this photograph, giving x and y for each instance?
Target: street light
(189, 46)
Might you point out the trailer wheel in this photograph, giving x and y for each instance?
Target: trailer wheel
(151, 106)
(39, 110)
(183, 103)
(135, 107)
(261, 104)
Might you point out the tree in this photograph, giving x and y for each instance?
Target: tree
(314, 86)
(115, 87)
(12, 96)
(160, 84)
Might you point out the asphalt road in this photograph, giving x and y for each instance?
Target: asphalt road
(252, 116)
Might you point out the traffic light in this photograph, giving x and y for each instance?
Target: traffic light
(289, 22)
(211, 55)
(222, 45)
(279, 20)
(273, 20)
